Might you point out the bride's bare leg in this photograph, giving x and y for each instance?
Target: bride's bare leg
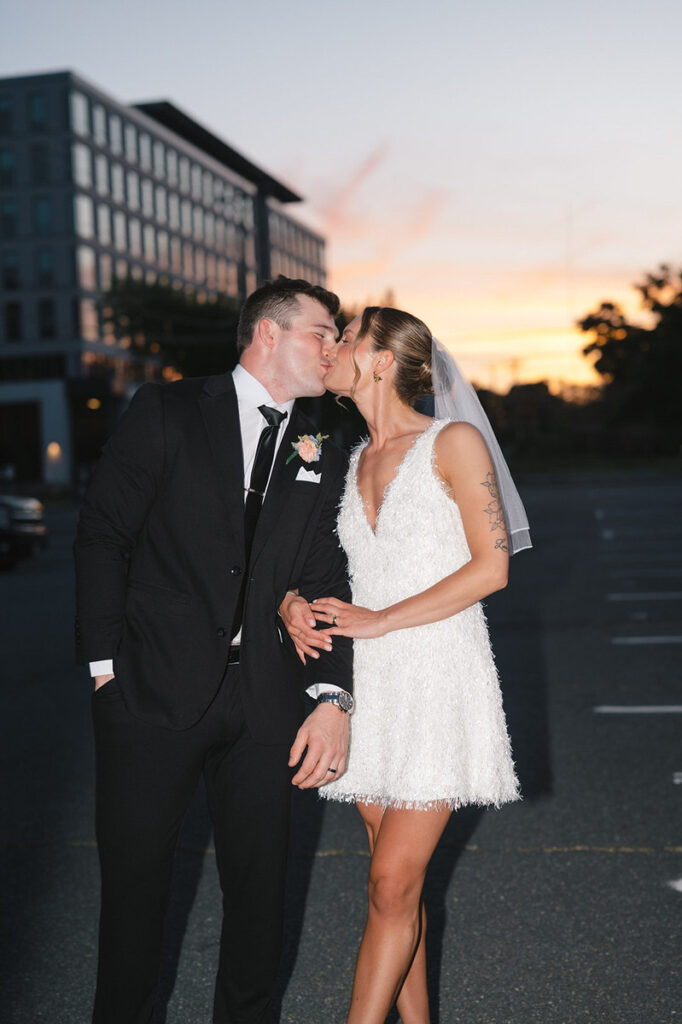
(402, 842)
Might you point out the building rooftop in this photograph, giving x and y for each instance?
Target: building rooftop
(186, 127)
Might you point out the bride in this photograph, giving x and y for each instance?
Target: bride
(428, 519)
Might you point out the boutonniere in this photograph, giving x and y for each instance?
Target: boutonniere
(307, 447)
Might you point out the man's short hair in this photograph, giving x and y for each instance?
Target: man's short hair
(278, 300)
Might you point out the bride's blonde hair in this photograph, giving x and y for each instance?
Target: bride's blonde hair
(409, 339)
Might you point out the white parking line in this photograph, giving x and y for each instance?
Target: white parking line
(677, 778)
(676, 884)
(667, 573)
(647, 595)
(633, 641)
(638, 709)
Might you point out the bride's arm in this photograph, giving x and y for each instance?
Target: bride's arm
(464, 465)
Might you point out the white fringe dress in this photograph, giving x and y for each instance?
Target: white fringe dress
(428, 730)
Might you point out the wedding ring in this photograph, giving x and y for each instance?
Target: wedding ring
(332, 770)
(333, 620)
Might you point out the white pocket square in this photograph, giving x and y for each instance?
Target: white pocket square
(309, 475)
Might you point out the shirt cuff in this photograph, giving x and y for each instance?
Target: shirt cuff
(316, 689)
(102, 668)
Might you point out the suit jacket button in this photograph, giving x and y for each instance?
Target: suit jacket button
(236, 570)
(222, 632)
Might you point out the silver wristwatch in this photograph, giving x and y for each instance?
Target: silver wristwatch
(343, 700)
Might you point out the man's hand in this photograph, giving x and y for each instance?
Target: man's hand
(101, 680)
(325, 733)
(300, 623)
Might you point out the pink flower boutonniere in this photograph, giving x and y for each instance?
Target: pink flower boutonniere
(307, 447)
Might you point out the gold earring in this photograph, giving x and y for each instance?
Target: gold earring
(376, 376)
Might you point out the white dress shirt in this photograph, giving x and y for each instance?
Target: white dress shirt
(250, 394)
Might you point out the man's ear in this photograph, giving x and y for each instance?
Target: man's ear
(266, 332)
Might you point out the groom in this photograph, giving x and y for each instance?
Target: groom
(180, 578)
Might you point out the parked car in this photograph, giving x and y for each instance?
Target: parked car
(22, 528)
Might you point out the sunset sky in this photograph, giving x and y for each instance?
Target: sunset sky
(501, 167)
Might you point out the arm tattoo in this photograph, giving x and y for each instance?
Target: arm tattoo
(494, 511)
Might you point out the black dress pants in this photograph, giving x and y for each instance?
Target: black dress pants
(146, 777)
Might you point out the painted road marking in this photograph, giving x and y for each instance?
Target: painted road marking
(638, 709)
(676, 885)
(619, 574)
(634, 641)
(677, 778)
(647, 595)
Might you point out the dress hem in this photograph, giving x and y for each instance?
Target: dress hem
(439, 804)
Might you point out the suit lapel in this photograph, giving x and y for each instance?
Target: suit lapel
(218, 403)
(281, 482)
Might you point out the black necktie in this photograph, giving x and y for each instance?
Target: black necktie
(262, 464)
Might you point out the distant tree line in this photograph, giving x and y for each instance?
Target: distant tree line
(636, 412)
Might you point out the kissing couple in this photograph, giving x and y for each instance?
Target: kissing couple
(231, 559)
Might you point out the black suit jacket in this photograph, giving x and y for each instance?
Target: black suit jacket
(160, 561)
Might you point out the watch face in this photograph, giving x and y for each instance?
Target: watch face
(346, 702)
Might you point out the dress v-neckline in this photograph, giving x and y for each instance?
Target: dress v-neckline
(389, 485)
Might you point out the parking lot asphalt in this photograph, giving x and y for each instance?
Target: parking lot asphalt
(562, 909)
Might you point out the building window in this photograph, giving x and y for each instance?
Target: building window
(87, 326)
(47, 319)
(209, 229)
(37, 112)
(162, 244)
(133, 190)
(120, 240)
(131, 143)
(122, 270)
(208, 189)
(102, 174)
(80, 113)
(42, 216)
(135, 235)
(184, 174)
(85, 268)
(210, 271)
(196, 181)
(173, 211)
(81, 158)
(176, 255)
(44, 268)
(221, 274)
(5, 115)
(161, 204)
(198, 223)
(149, 244)
(188, 260)
(186, 218)
(14, 330)
(11, 277)
(84, 216)
(99, 124)
(115, 134)
(147, 198)
(40, 167)
(103, 224)
(159, 160)
(105, 272)
(6, 167)
(172, 167)
(220, 234)
(117, 185)
(145, 152)
(199, 265)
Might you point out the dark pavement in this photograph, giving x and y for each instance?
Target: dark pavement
(564, 908)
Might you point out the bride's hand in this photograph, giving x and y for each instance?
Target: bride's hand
(349, 619)
(296, 614)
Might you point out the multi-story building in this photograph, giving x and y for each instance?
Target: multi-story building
(92, 190)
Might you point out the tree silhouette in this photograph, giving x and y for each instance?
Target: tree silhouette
(188, 335)
(642, 366)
